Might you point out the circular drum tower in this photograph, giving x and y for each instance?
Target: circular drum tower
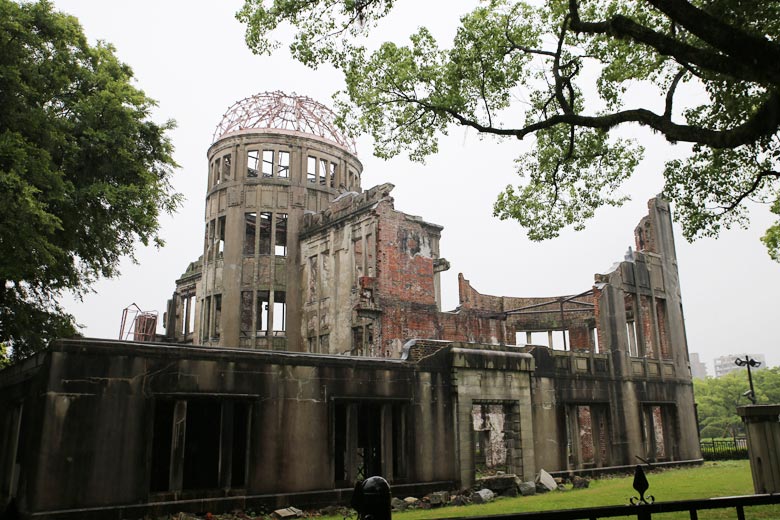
(274, 157)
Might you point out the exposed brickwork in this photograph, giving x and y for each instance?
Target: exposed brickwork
(580, 338)
(405, 257)
(646, 318)
(586, 434)
(663, 329)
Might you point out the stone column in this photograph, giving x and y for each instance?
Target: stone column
(762, 423)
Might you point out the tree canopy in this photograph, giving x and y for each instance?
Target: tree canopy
(717, 399)
(84, 172)
(708, 68)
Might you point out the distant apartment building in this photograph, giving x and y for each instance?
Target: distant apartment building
(698, 368)
(726, 364)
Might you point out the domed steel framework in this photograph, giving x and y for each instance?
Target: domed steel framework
(286, 112)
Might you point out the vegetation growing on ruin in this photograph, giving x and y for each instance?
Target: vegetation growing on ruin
(84, 171)
(706, 69)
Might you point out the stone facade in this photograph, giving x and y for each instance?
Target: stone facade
(307, 349)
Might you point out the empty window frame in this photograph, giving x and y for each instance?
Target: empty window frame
(199, 444)
(250, 233)
(226, 167)
(263, 312)
(217, 330)
(311, 169)
(323, 172)
(191, 302)
(560, 339)
(207, 239)
(220, 237)
(369, 438)
(264, 233)
(532, 338)
(280, 312)
(280, 244)
(283, 165)
(246, 314)
(205, 323)
(268, 163)
(252, 163)
(332, 175)
(217, 175)
(631, 334)
(663, 328)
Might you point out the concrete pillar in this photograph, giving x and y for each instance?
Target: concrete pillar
(762, 423)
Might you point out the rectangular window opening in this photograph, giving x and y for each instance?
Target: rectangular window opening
(283, 169)
(357, 341)
(561, 340)
(311, 169)
(252, 163)
(280, 312)
(202, 445)
(205, 324)
(323, 172)
(217, 172)
(632, 339)
(240, 444)
(220, 237)
(191, 314)
(250, 233)
(217, 315)
(333, 175)
(491, 446)
(225, 167)
(280, 245)
(263, 311)
(246, 314)
(265, 233)
(268, 163)
(162, 435)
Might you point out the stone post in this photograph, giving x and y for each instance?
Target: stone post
(762, 423)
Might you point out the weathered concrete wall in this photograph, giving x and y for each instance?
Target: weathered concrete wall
(96, 441)
(293, 173)
(494, 376)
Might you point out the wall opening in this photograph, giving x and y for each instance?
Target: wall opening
(250, 232)
(159, 479)
(280, 312)
(199, 444)
(268, 163)
(496, 438)
(368, 439)
(280, 248)
(658, 432)
(283, 166)
(264, 233)
(588, 426)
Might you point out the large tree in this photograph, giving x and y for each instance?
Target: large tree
(717, 399)
(84, 172)
(709, 73)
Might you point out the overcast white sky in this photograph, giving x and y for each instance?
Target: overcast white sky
(190, 56)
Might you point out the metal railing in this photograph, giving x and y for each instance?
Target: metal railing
(646, 511)
(724, 449)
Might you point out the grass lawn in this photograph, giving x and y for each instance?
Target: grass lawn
(713, 479)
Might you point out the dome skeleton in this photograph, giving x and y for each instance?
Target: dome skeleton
(285, 112)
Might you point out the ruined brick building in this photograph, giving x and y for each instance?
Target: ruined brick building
(307, 348)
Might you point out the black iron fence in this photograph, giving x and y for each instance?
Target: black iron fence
(723, 449)
(687, 509)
